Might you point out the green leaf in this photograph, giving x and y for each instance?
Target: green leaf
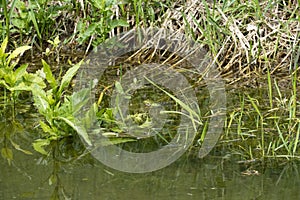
(2, 72)
(56, 41)
(47, 129)
(147, 124)
(117, 23)
(20, 87)
(49, 76)
(2, 82)
(38, 145)
(19, 23)
(98, 4)
(182, 104)
(41, 104)
(33, 80)
(79, 129)
(17, 52)
(7, 154)
(10, 78)
(40, 100)
(33, 19)
(79, 99)
(20, 71)
(88, 32)
(114, 141)
(53, 179)
(68, 77)
(90, 117)
(119, 87)
(3, 47)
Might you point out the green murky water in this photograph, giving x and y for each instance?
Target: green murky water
(214, 177)
(67, 175)
(211, 178)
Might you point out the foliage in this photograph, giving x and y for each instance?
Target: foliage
(12, 77)
(247, 40)
(57, 109)
(31, 18)
(100, 22)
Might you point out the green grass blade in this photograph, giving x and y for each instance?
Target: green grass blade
(183, 105)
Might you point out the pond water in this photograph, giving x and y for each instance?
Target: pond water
(187, 178)
(217, 176)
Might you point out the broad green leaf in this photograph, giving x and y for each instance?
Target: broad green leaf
(20, 87)
(3, 47)
(41, 104)
(79, 129)
(88, 32)
(49, 76)
(20, 71)
(17, 52)
(68, 77)
(33, 79)
(90, 117)
(147, 124)
(56, 41)
(40, 100)
(10, 78)
(117, 23)
(19, 23)
(2, 73)
(47, 129)
(98, 3)
(38, 145)
(79, 99)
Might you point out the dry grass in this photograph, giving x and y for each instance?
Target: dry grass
(246, 38)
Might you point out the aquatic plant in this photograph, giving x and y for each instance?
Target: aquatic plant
(14, 80)
(14, 77)
(58, 109)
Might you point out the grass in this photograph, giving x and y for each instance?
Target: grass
(254, 44)
(270, 130)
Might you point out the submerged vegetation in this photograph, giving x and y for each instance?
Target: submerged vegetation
(254, 44)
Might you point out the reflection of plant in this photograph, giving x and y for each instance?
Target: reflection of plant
(58, 112)
(7, 130)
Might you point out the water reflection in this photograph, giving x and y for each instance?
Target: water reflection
(187, 178)
(72, 176)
